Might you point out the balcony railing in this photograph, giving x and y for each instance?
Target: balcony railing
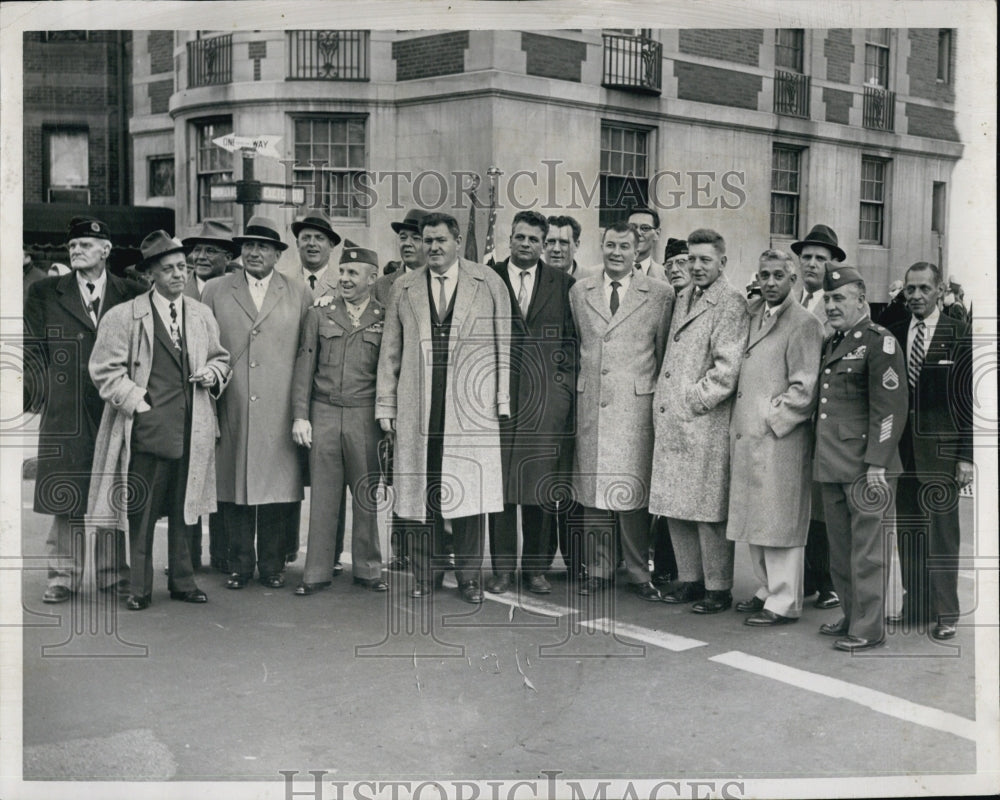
(328, 55)
(632, 63)
(880, 109)
(210, 61)
(791, 94)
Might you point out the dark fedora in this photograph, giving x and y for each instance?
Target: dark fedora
(821, 235)
(87, 227)
(214, 233)
(411, 222)
(261, 229)
(158, 243)
(319, 222)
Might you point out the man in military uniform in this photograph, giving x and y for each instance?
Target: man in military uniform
(862, 411)
(333, 406)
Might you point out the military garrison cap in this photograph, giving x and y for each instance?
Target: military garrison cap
(840, 276)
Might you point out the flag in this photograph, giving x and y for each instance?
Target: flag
(471, 248)
(489, 257)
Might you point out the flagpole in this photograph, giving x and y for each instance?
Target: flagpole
(489, 257)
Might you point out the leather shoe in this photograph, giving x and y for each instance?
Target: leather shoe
(120, 588)
(686, 592)
(661, 579)
(273, 581)
(421, 589)
(646, 591)
(827, 600)
(310, 588)
(943, 632)
(754, 604)
(767, 618)
(57, 594)
(851, 643)
(291, 558)
(194, 596)
(537, 584)
(499, 584)
(838, 628)
(469, 590)
(138, 602)
(237, 581)
(714, 602)
(591, 586)
(337, 569)
(372, 584)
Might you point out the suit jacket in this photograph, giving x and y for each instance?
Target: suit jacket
(656, 270)
(383, 285)
(619, 358)
(326, 285)
(537, 438)
(862, 404)
(938, 429)
(477, 394)
(58, 338)
(120, 366)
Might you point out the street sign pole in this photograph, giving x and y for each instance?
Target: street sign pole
(248, 176)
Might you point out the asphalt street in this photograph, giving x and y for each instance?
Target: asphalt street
(366, 685)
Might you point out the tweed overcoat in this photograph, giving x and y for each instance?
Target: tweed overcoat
(477, 394)
(257, 461)
(770, 435)
(693, 404)
(119, 366)
(619, 359)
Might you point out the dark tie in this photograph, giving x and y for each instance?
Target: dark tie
(175, 331)
(92, 306)
(838, 337)
(614, 297)
(808, 298)
(312, 283)
(916, 356)
(442, 301)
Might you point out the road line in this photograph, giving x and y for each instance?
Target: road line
(533, 606)
(668, 641)
(881, 702)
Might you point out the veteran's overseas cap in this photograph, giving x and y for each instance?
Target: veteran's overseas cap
(84, 227)
(840, 276)
(354, 253)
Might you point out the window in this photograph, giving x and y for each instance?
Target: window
(944, 56)
(215, 165)
(161, 176)
(67, 167)
(329, 157)
(873, 176)
(788, 49)
(786, 169)
(877, 57)
(938, 207)
(624, 171)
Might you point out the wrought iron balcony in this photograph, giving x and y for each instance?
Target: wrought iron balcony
(632, 63)
(328, 55)
(210, 61)
(880, 109)
(791, 94)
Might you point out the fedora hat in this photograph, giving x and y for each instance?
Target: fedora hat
(822, 235)
(318, 221)
(261, 229)
(411, 222)
(158, 243)
(215, 233)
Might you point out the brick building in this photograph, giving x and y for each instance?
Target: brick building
(758, 133)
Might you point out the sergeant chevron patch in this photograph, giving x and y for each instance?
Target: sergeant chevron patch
(890, 380)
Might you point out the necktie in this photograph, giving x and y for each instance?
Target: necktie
(92, 307)
(808, 299)
(522, 293)
(312, 283)
(916, 356)
(614, 297)
(442, 300)
(838, 337)
(175, 331)
(695, 294)
(765, 317)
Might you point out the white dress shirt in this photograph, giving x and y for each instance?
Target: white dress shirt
(87, 296)
(450, 284)
(930, 325)
(514, 274)
(644, 265)
(162, 306)
(815, 304)
(319, 276)
(625, 282)
(258, 287)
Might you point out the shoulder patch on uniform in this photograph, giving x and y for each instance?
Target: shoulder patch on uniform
(886, 430)
(890, 379)
(889, 345)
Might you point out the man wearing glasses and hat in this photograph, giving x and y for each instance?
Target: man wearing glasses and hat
(411, 253)
(159, 365)
(259, 312)
(210, 251)
(315, 240)
(60, 325)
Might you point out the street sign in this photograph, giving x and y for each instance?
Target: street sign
(258, 145)
(222, 193)
(280, 193)
(251, 192)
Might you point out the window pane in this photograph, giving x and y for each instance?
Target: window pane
(68, 157)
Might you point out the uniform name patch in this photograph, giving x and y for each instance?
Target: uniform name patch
(856, 353)
(890, 380)
(889, 345)
(886, 431)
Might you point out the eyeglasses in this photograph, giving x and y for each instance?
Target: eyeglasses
(645, 228)
(208, 250)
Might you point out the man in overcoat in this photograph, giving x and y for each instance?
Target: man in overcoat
(159, 366)
(443, 385)
(61, 316)
(692, 409)
(622, 318)
(862, 412)
(259, 312)
(536, 439)
(770, 438)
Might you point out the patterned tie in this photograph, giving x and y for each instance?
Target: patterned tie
(312, 283)
(92, 306)
(614, 297)
(522, 293)
(442, 300)
(916, 356)
(807, 299)
(175, 331)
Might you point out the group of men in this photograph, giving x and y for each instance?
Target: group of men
(627, 410)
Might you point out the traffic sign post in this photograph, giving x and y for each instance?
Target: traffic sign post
(248, 191)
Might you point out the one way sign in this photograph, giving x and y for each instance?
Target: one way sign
(259, 145)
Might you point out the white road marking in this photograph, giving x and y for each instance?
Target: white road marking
(532, 606)
(881, 702)
(668, 641)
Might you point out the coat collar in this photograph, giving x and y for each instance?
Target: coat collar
(709, 299)
(637, 294)
(756, 312)
(852, 339)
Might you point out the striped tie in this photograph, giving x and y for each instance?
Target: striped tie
(175, 331)
(916, 356)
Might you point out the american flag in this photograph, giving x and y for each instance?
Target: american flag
(489, 257)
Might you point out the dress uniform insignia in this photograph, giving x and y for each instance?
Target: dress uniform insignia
(886, 431)
(889, 345)
(835, 275)
(95, 227)
(375, 327)
(856, 353)
(890, 379)
(857, 334)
